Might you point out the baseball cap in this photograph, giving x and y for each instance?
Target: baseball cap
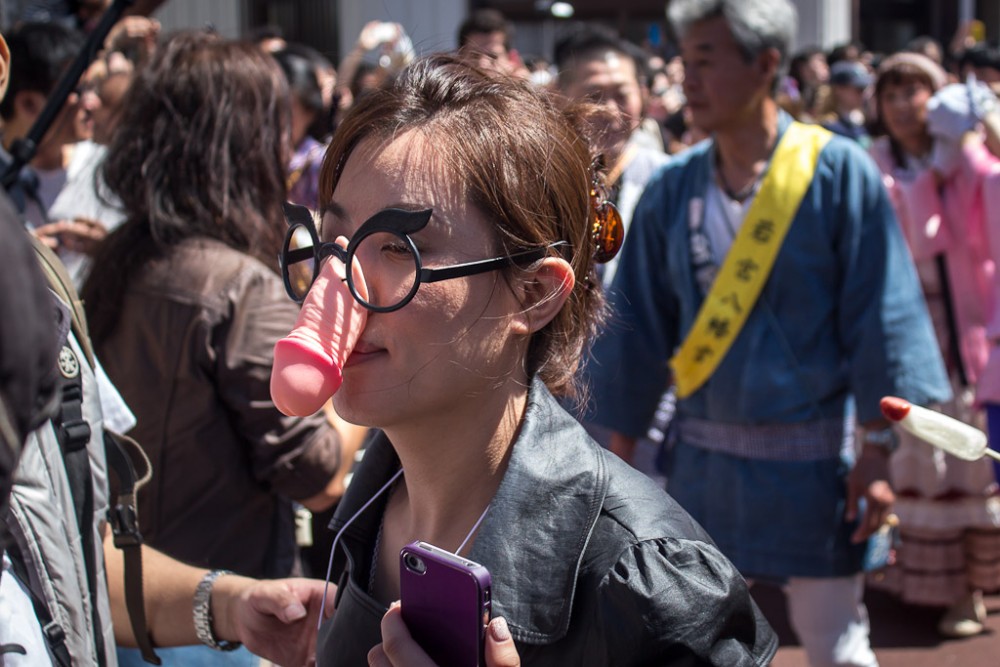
(847, 73)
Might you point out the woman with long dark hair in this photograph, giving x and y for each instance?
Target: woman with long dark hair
(185, 305)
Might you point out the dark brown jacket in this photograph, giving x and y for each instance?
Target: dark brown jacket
(192, 355)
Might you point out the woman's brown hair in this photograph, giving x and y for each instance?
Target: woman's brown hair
(199, 152)
(525, 164)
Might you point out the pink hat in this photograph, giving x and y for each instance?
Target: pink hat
(934, 72)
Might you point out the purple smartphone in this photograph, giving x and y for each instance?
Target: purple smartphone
(446, 603)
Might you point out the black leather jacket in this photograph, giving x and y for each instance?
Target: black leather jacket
(592, 563)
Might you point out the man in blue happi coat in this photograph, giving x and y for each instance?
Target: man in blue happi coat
(765, 275)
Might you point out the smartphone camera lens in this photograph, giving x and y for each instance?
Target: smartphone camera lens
(414, 564)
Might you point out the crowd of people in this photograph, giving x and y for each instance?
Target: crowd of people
(801, 232)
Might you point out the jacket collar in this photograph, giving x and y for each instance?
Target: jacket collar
(541, 520)
(539, 523)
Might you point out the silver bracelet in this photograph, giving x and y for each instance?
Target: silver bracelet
(885, 438)
(203, 613)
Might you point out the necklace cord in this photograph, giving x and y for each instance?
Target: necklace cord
(742, 194)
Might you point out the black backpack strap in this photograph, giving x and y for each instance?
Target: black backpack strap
(73, 430)
(73, 433)
(54, 634)
(124, 521)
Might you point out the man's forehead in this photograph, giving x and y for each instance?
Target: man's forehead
(603, 62)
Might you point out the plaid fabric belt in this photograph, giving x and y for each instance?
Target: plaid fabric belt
(804, 441)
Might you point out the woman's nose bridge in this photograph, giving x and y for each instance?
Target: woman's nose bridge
(331, 268)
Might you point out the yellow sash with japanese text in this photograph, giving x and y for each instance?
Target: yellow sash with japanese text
(742, 275)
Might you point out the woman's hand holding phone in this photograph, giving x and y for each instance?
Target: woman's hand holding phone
(398, 647)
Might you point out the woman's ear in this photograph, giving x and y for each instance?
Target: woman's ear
(543, 294)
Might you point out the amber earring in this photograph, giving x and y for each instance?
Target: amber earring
(607, 228)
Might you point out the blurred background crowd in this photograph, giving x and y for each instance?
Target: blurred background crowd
(871, 82)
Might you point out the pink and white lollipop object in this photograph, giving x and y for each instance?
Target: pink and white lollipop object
(955, 437)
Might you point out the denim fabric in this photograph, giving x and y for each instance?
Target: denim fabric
(190, 656)
(841, 314)
(773, 520)
(841, 322)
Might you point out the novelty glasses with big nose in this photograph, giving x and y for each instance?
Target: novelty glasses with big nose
(389, 259)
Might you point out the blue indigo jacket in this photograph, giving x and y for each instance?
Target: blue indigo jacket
(841, 315)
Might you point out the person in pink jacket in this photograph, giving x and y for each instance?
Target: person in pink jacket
(937, 169)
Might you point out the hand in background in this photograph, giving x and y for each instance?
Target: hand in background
(131, 30)
(868, 480)
(376, 33)
(79, 235)
(276, 620)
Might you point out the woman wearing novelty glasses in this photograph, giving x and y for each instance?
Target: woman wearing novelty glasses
(461, 225)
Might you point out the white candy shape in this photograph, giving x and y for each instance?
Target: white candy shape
(955, 437)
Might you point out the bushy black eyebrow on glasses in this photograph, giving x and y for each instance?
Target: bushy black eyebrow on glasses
(296, 215)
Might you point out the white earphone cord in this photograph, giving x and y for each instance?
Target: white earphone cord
(336, 539)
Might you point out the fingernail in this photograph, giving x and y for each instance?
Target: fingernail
(294, 612)
(394, 604)
(499, 629)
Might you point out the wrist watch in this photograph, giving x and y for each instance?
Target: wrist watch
(884, 438)
(203, 613)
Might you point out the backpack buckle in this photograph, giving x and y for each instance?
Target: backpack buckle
(54, 633)
(77, 434)
(124, 526)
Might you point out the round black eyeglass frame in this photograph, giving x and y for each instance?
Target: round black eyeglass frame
(395, 221)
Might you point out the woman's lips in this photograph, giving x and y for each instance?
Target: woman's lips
(363, 352)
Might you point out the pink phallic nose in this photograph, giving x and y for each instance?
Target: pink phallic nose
(309, 362)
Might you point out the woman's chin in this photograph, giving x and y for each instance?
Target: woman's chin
(360, 403)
